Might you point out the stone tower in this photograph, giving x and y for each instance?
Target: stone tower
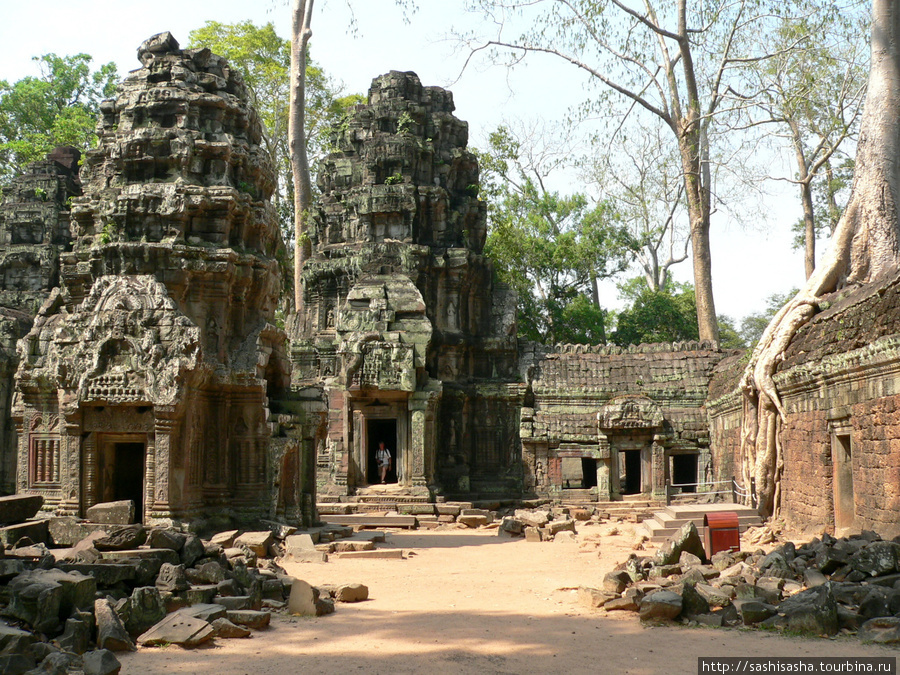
(34, 230)
(402, 325)
(148, 373)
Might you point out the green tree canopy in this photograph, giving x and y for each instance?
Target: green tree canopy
(57, 108)
(665, 315)
(549, 247)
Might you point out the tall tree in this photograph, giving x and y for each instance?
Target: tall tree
(812, 89)
(551, 248)
(301, 32)
(865, 244)
(57, 108)
(641, 178)
(673, 60)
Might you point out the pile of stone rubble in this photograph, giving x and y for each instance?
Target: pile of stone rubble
(824, 587)
(90, 589)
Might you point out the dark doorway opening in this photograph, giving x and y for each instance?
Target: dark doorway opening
(844, 496)
(684, 472)
(588, 473)
(122, 474)
(630, 480)
(382, 431)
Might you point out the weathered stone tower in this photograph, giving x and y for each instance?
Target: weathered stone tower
(34, 230)
(148, 373)
(402, 324)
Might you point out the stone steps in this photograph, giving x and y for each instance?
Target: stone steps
(665, 523)
(360, 520)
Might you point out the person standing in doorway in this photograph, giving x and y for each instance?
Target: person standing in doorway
(383, 459)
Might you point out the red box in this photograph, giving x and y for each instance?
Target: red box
(722, 533)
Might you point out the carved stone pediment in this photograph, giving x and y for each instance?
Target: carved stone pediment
(630, 412)
(126, 343)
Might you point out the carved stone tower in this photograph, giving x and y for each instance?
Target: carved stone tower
(403, 326)
(148, 373)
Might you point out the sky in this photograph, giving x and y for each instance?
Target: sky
(750, 261)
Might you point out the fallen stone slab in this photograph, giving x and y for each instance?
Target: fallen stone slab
(235, 602)
(367, 520)
(395, 553)
(36, 530)
(68, 530)
(279, 530)
(18, 508)
(172, 578)
(226, 629)
(202, 594)
(352, 545)
(101, 662)
(111, 513)
(250, 618)
(299, 542)
(378, 536)
(314, 556)
(105, 574)
(161, 555)
(36, 601)
(179, 629)
(207, 611)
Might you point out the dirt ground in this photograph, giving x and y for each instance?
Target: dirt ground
(473, 602)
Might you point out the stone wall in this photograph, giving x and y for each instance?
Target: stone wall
(840, 439)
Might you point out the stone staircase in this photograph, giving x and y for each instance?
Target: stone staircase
(665, 523)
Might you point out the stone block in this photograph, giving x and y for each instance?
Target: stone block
(192, 550)
(254, 619)
(225, 539)
(179, 629)
(111, 513)
(36, 530)
(302, 600)
(207, 611)
(661, 605)
(105, 574)
(226, 629)
(172, 578)
(165, 538)
(201, 595)
(111, 633)
(68, 531)
(883, 630)
(473, 520)
(19, 508)
(391, 554)
(351, 593)
(533, 534)
(350, 545)
(532, 518)
(101, 662)
(299, 542)
(309, 556)
(36, 600)
(235, 602)
(258, 542)
(122, 539)
(557, 526)
(76, 635)
(593, 597)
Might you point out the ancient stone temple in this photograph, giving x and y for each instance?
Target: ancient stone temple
(403, 328)
(34, 230)
(604, 422)
(150, 373)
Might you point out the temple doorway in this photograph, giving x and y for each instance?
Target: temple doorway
(122, 471)
(377, 431)
(684, 471)
(630, 468)
(844, 495)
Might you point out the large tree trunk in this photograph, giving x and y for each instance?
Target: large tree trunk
(864, 245)
(300, 35)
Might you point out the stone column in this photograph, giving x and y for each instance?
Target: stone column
(91, 470)
(70, 460)
(149, 478)
(658, 468)
(164, 426)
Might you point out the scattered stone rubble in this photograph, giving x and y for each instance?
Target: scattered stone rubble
(821, 588)
(72, 598)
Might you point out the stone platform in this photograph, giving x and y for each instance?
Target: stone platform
(669, 520)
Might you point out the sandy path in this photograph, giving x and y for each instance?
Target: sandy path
(472, 602)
